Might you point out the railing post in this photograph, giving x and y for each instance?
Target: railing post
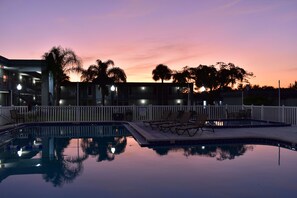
(262, 112)
(226, 110)
(252, 111)
(77, 113)
(134, 112)
(150, 112)
(283, 113)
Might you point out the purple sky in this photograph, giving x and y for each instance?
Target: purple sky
(258, 35)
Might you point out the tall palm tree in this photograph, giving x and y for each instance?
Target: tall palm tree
(60, 61)
(162, 72)
(102, 75)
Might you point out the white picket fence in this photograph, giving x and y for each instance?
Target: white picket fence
(137, 113)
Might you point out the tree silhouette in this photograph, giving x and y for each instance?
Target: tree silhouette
(220, 152)
(293, 85)
(102, 75)
(229, 74)
(204, 75)
(59, 62)
(101, 147)
(181, 77)
(161, 72)
(60, 170)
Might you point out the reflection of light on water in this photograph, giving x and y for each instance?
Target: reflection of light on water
(38, 165)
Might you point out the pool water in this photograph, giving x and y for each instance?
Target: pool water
(68, 163)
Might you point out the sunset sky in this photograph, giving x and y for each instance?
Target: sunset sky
(257, 35)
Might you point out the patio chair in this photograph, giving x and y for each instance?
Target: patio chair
(16, 116)
(182, 121)
(171, 119)
(164, 117)
(200, 123)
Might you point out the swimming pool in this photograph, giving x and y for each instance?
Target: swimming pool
(106, 161)
(245, 123)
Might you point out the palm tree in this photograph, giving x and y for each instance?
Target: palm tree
(100, 74)
(59, 62)
(161, 72)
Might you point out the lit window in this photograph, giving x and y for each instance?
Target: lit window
(204, 103)
(4, 78)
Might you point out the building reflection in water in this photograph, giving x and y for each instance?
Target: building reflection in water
(41, 150)
(58, 153)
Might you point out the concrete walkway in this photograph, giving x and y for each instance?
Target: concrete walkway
(155, 137)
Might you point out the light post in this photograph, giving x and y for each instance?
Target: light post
(19, 88)
(246, 88)
(279, 102)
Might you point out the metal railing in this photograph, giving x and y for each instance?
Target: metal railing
(138, 113)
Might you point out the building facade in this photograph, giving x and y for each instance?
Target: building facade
(20, 81)
(88, 94)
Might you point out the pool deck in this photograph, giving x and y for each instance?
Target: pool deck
(149, 137)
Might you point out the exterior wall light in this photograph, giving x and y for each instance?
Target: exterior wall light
(112, 88)
(19, 87)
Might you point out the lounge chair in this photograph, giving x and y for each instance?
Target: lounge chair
(171, 119)
(16, 116)
(200, 123)
(164, 117)
(182, 121)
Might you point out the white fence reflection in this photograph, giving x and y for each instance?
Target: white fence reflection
(137, 113)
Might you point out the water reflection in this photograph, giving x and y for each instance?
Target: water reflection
(42, 150)
(61, 170)
(220, 152)
(105, 147)
(60, 153)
